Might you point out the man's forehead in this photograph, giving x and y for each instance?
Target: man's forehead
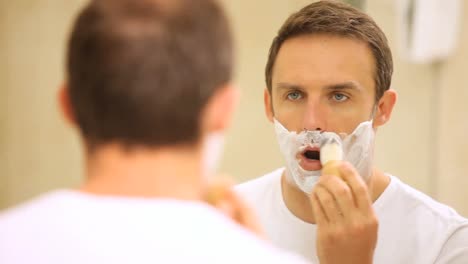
(303, 62)
(323, 52)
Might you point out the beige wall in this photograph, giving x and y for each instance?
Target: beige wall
(403, 146)
(3, 114)
(451, 177)
(41, 153)
(423, 144)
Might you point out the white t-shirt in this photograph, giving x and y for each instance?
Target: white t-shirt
(413, 228)
(73, 227)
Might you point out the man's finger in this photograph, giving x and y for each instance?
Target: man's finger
(358, 186)
(328, 204)
(217, 189)
(221, 195)
(319, 214)
(341, 192)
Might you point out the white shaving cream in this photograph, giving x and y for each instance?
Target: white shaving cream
(357, 149)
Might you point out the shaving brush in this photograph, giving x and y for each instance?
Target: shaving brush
(331, 152)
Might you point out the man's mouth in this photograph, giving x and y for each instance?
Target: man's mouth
(309, 159)
(312, 154)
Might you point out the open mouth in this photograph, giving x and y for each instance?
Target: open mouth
(309, 159)
(312, 154)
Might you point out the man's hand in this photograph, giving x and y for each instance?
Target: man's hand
(346, 223)
(221, 195)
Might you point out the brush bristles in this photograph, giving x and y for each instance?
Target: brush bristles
(331, 151)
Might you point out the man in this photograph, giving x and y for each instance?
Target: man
(328, 73)
(148, 87)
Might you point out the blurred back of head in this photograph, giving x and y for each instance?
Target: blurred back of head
(141, 71)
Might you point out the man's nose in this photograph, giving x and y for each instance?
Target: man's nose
(314, 117)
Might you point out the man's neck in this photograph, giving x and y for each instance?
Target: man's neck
(298, 202)
(171, 172)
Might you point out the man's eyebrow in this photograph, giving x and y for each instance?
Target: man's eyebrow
(344, 86)
(337, 86)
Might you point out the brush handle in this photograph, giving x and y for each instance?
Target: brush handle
(331, 168)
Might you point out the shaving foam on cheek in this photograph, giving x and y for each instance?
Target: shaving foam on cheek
(291, 144)
(357, 149)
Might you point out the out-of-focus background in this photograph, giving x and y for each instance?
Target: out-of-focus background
(425, 144)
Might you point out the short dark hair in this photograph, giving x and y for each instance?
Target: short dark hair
(141, 71)
(336, 18)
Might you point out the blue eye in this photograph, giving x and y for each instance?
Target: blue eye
(340, 97)
(294, 96)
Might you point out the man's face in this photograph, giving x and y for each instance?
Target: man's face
(322, 82)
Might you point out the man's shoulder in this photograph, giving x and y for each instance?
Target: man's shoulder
(448, 230)
(260, 184)
(419, 200)
(24, 227)
(31, 209)
(249, 248)
(27, 225)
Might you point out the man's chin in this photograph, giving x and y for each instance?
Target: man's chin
(311, 167)
(300, 179)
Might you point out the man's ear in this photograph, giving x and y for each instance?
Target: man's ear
(267, 100)
(385, 108)
(64, 104)
(218, 112)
